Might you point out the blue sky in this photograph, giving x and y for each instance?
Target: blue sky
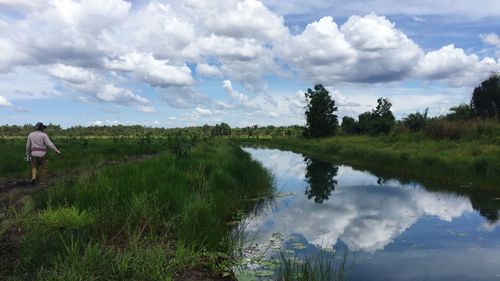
(244, 62)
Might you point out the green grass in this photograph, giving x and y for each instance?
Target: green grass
(76, 154)
(467, 163)
(322, 266)
(143, 220)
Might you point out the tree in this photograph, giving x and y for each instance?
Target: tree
(486, 98)
(320, 120)
(349, 125)
(416, 121)
(460, 113)
(221, 129)
(379, 121)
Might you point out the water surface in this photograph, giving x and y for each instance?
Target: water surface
(392, 231)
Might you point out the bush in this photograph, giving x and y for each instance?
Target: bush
(415, 121)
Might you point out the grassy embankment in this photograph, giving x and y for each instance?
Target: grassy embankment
(466, 163)
(148, 220)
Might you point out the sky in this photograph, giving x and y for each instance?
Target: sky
(165, 63)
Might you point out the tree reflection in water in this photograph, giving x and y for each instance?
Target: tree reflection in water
(320, 179)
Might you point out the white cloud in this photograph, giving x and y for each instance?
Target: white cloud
(208, 70)
(248, 18)
(147, 69)
(10, 55)
(146, 109)
(228, 86)
(22, 4)
(92, 15)
(454, 65)
(111, 93)
(4, 102)
(203, 111)
(364, 49)
(384, 52)
(101, 49)
(419, 19)
(76, 75)
(223, 106)
(230, 48)
(27, 84)
(491, 39)
(182, 97)
(320, 47)
(156, 29)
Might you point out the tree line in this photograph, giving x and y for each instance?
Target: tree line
(222, 129)
(482, 114)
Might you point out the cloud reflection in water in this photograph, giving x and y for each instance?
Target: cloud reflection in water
(363, 215)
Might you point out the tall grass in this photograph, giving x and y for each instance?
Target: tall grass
(467, 129)
(162, 209)
(322, 266)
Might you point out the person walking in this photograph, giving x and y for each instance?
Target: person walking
(36, 151)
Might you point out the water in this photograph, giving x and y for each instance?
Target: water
(391, 231)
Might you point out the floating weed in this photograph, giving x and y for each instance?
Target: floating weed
(298, 246)
(273, 261)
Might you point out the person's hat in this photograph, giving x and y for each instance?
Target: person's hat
(40, 126)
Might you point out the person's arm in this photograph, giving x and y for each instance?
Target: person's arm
(50, 144)
(28, 147)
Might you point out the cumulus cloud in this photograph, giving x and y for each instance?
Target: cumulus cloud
(240, 19)
(203, 111)
(146, 109)
(92, 15)
(230, 48)
(182, 97)
(228, 86)
(10, 55)
(208, 70)
(453, 64)
(97, 88)
(111, 93)
(370, 49)
(71, 74)
(384, 52)
(491, 39)
(156, 29)
(4, 102)
(154, 72)
(106, 51)
(364, 49)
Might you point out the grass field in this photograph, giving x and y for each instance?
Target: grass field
(467, 163)
(147, 220)
(76, 153)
